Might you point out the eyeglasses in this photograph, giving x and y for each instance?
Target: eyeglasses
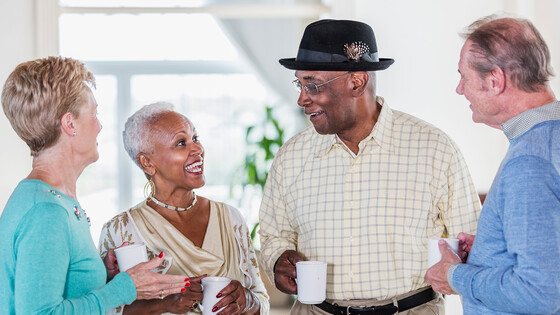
(312, 88)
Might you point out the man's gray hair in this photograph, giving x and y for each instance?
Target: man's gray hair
(515, 46)
(137, 136)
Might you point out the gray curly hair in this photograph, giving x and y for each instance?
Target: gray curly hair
(137, 136)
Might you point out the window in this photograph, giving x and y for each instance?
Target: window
(144, 57)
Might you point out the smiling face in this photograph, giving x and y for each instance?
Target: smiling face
(476, 90)
(178, 156)
(332, 111)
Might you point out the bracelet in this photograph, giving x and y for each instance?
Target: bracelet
(250, 300)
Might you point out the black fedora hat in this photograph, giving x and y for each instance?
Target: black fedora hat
(337, 45)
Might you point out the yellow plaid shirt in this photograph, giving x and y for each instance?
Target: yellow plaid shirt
(368, 216)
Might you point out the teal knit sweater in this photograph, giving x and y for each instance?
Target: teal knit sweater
(49, 262)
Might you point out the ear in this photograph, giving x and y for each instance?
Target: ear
(359, 82)
(146, 164)
(67, 124)
(496, 80)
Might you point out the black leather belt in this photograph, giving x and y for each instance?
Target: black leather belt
(388, 309)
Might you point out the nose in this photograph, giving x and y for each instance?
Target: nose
(198, 149)
(459, 89)
(303, 98)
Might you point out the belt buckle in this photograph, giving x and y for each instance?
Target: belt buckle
(349, 307)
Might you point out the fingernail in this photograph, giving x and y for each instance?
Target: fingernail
(219, 295)
(188, 284)
(441, 242)
(115, 261)
(183, 289)
(160, 255)
(214, 309)
(187, 279)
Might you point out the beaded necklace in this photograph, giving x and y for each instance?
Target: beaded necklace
(159, 203)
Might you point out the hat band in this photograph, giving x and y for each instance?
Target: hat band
(305, 55)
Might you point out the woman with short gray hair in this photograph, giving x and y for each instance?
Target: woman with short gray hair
(201, 236)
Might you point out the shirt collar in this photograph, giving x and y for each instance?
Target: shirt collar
(380, 134)
(523, 122)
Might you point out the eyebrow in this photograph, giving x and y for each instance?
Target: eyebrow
(179, 133)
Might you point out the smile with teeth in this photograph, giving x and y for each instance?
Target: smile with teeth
(195, 167)
(315, 114)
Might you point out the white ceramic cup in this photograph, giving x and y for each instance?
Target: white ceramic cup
(210, 288)
(311, 281)
(434, 255)
(130, 256)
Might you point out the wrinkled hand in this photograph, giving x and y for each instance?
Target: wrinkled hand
(183, 302)
(149, 285)
(465, 244)
(232, 298)
(110, 261)
(436, 276)
(285, 271)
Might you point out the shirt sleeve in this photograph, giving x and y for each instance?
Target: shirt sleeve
(43, 254)
(459, 205)
(249, 265)
(529, 192)
(276, 232)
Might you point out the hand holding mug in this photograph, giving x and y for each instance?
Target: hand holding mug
(285, 271)
(184, 302)
(465, 244)
(436, 276)
(111, 263)
(231, 299)
(151, 285)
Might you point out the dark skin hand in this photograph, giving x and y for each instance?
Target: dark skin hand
(111, 263)
(179, 303)
(229, 295)
(285, 271)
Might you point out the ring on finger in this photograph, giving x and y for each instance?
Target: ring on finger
(161, 295)
(195, 304)
(238, 306)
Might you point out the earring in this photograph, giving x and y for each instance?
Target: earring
(74, 134)
(149, 188)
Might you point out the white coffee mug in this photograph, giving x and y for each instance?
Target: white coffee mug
(434, 255)
(211, 286)
(311, 281)
(130, 256)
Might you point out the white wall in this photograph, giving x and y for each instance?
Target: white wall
(422, 37)
(17, 42)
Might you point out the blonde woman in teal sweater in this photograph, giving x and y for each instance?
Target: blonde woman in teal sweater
(49, 261)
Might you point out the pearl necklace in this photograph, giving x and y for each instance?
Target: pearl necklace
(159, 203)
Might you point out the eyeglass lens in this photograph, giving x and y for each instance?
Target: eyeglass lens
(312, 88)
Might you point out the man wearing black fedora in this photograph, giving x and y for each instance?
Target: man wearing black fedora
(364, 188)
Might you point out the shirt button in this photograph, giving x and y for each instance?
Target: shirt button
(351, 274)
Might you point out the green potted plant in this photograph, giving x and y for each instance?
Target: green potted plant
(263, 141)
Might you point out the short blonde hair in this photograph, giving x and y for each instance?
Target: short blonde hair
(38, 93)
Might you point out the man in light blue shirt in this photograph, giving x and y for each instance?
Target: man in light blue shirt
(512, 266)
